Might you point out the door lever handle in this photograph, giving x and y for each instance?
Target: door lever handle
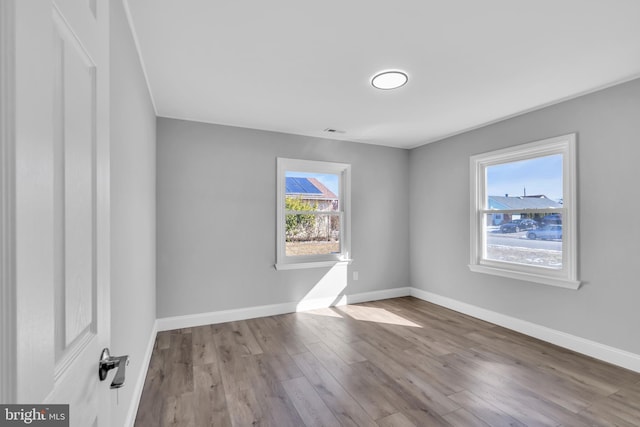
(108, 362)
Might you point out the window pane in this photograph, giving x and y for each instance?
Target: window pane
(533, 183)
(524, 239)
(312, 234)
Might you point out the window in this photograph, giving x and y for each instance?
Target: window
(313, 219)
(523, 212)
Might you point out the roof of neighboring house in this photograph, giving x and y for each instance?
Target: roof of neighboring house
(539, 201)
(308, 188)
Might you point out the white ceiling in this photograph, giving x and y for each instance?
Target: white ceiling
(300, 66)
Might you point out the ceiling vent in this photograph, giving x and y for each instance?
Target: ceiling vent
(332, 130)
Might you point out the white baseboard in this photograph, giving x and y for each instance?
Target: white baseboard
(192, 320)
(594, 349)
(378, 295)
(316, 303)
(139, 385)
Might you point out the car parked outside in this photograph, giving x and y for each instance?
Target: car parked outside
(548, 232)
(528, 224)
(518, 225)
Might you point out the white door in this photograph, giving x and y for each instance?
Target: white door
(61, 204)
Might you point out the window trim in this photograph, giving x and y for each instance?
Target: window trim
(284, 262)
(567, 277)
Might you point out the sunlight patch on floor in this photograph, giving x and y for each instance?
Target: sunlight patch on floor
(378, 315)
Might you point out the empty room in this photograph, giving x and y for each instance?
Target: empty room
(285, 213)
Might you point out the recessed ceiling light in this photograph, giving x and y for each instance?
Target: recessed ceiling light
(389, 79)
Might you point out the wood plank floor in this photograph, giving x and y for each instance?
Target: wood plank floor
(398, 362)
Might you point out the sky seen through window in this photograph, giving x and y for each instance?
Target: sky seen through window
(540, 175)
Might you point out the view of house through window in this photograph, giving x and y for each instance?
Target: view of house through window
(523, 212)
(312, 213)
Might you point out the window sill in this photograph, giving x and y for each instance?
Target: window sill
(314, 264)
(529, 277)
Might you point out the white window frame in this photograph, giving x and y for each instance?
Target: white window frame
(567, 276)
(343, 170)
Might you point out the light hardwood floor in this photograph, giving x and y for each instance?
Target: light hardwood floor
(398, 362)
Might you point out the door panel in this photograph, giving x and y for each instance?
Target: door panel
(74, 123)
(71, 54)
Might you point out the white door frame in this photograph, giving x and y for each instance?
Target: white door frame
(7, 203)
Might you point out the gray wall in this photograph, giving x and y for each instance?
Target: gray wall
(605, 309)
(216, 207)
(133, 153)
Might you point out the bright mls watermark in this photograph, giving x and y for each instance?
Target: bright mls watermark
(34, 415)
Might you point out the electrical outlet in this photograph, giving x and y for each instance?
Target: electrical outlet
(355, 275)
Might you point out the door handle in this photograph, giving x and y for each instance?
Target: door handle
(108, 362)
